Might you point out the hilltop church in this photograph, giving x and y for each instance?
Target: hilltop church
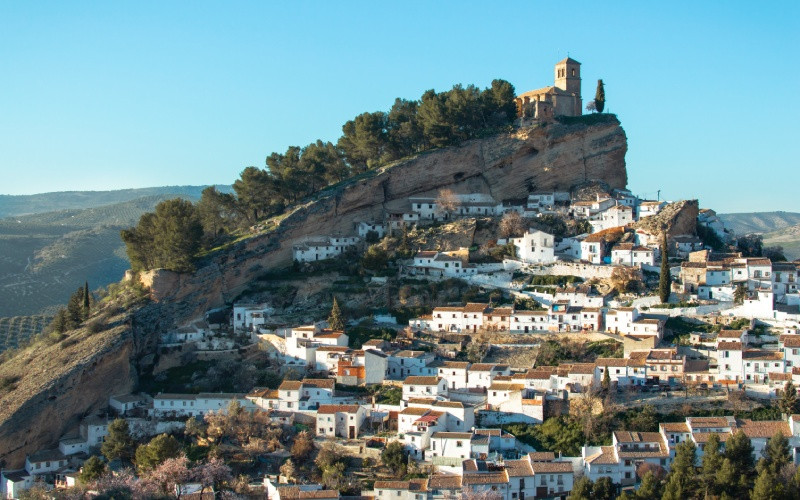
(561, 99)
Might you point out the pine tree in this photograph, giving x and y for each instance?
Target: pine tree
(75, 310)
(739, 450)
(600, 97)
(767, 487)
(648, 488)
(60, 321)
(336, 320)
(788, 400)
(665, 280)
(118, 443)
(712, 462)
(776, 454)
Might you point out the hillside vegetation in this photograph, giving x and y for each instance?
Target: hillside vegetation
(172, 236)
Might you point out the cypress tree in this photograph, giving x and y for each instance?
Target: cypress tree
(86, 300)
(600, 97)
(606, 383)
(788, 400)
(335, 320)
(665, 280)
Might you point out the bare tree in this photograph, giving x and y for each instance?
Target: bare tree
(512, 225)
(446, 203)
(591, 107)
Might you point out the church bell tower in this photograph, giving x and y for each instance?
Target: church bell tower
(568, 76)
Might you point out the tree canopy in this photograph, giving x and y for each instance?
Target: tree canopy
(171, 236)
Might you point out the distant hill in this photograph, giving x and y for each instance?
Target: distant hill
(788, 238)
(44, 257)
(759, 222)
(11, 205)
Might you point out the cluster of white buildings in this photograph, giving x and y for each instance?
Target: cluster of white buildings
(544, 475)
(770, 288)
(562, 315)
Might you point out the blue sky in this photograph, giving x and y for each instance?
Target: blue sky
(109, 95)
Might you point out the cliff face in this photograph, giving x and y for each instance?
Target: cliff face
(509, 166)
(679, 218)
(58, 385)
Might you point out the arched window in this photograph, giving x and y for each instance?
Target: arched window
(573, 71)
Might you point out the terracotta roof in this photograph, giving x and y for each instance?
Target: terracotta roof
(458, 365)
(763, 429)
(730, 334)
(702, 437)
(452, 435)
(759, 355)
(426, 254)
(542, 456)
(475, 307)
(413, 410)
(705, 422)
(604, 457)
(494, 477)
(445, 482)
(449, 404)
(321, 383)
(729, 346)
(505, 386)
(611, 362)
(551, 467)
(421, 380)
(326, 409)
(290, 385)
(790, 340)
(411, 485)
(487, 367)
(518, 468)
(674, 427)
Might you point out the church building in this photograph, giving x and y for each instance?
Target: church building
(561, 99)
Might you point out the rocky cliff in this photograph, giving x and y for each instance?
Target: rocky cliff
(58, 386)
(507, 166)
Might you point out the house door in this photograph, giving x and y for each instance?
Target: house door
(352, 434)
(526, 329)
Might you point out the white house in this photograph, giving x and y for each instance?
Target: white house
(647, 208)
(535, 247)
(364, 228)
(250, 316)
(416, 387)
(342, 421)
(616, 216)
(316, 248)
(431, 263)
(629, 254)
(404, 363)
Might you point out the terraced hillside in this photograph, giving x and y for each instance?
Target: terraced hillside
(45, 257)
(16, 330)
